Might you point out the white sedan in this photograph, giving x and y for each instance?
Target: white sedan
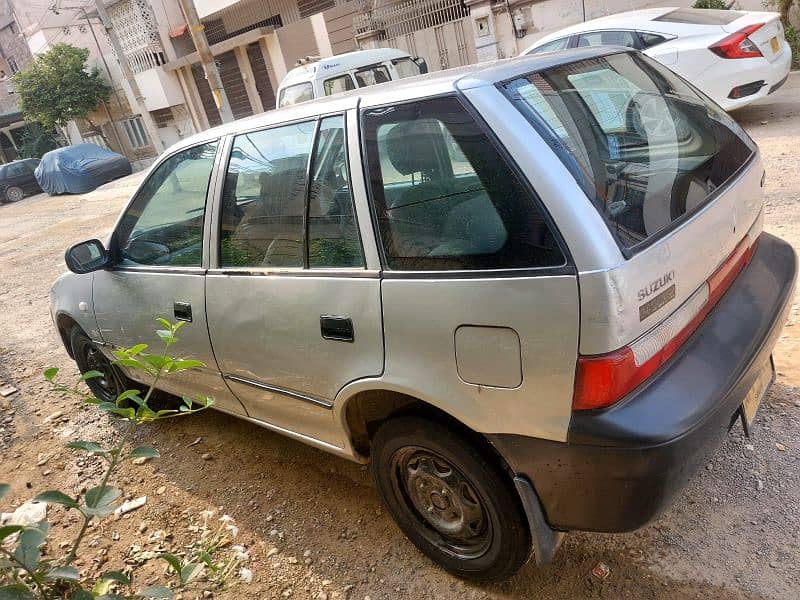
(735, 57)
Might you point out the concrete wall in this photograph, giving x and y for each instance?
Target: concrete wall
(339, 23)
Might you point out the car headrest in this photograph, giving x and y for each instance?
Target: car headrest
(411, 146)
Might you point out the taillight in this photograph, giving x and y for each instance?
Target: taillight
(738, 45)
(602, 380)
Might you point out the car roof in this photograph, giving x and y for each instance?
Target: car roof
(422, 86)
(632, 19)
(340, 62)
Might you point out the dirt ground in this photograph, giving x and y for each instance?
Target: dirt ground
(733, 533)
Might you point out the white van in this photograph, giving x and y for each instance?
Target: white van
(348, 71)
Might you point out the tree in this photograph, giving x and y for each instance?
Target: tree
(58, 87)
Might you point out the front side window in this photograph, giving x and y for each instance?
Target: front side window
(644, 146)
(552, 46)
(372, 75)
(164, 223)
(263, 201)
(294, 94)
(336, 85)
(608, 38)
(444, 196)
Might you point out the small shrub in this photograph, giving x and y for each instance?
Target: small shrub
(26, 574)
(717, 4)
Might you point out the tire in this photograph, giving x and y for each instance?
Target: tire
(14, 194)
(90, 358)
(481, 532)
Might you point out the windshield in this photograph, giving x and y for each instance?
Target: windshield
(646, 148)
(295, 94)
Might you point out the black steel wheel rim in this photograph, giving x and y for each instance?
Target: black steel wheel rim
(106, 388)
(452, 514)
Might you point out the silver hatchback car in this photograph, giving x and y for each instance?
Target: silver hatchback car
(535, 295)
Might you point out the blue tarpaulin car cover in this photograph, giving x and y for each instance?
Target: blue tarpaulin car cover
(80, 168)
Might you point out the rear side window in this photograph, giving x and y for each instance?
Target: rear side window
(645, 147)
(336, 85)
(445, 198)
(608, 38)
(372, 75)
(294, 94)
(651, 39)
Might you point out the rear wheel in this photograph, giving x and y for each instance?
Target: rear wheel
(451, 498)
(14, 194)
(90, 358)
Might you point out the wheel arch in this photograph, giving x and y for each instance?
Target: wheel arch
(362, 412)
(64, 324)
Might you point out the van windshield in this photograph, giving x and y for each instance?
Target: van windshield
(645, 147)
(294, 94)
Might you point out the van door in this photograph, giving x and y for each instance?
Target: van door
(158, 272)
(293, 313)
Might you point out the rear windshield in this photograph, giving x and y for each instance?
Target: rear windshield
(700, 16)
(645, 147)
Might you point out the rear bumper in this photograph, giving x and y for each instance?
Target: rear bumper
(773, 74)
(621, 466)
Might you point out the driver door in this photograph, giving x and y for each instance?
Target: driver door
(158, 256)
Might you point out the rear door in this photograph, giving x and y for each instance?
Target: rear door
(293, 311)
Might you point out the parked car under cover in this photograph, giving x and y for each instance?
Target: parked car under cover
(17, 180)
(79, 169)
(534, 305)
(734, 56)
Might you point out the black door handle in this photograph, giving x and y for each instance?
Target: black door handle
(335, 328)
(183, 311)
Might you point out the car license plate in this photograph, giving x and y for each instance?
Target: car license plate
(756, 394)
(776, 47)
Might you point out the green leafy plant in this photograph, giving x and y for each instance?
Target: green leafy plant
(26, 574)
(58, 86)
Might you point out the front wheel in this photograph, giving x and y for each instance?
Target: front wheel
(451, 498)
(90, 358)
(14, 194)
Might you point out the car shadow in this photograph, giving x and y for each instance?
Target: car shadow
(298, 498)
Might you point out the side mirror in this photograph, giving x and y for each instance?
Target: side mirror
(87, 256)
(422, 64)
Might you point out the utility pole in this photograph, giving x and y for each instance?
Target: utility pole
(147, 118)
(197, 31)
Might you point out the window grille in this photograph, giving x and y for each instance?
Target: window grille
(137, 135)
(137, 30)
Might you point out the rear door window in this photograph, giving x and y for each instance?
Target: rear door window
(646, 148)
(608, 38)
(552, 46)
(445, 198)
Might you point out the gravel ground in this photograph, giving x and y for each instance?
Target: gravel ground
(733, 533)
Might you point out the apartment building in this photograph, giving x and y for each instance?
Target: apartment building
(14, 55)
